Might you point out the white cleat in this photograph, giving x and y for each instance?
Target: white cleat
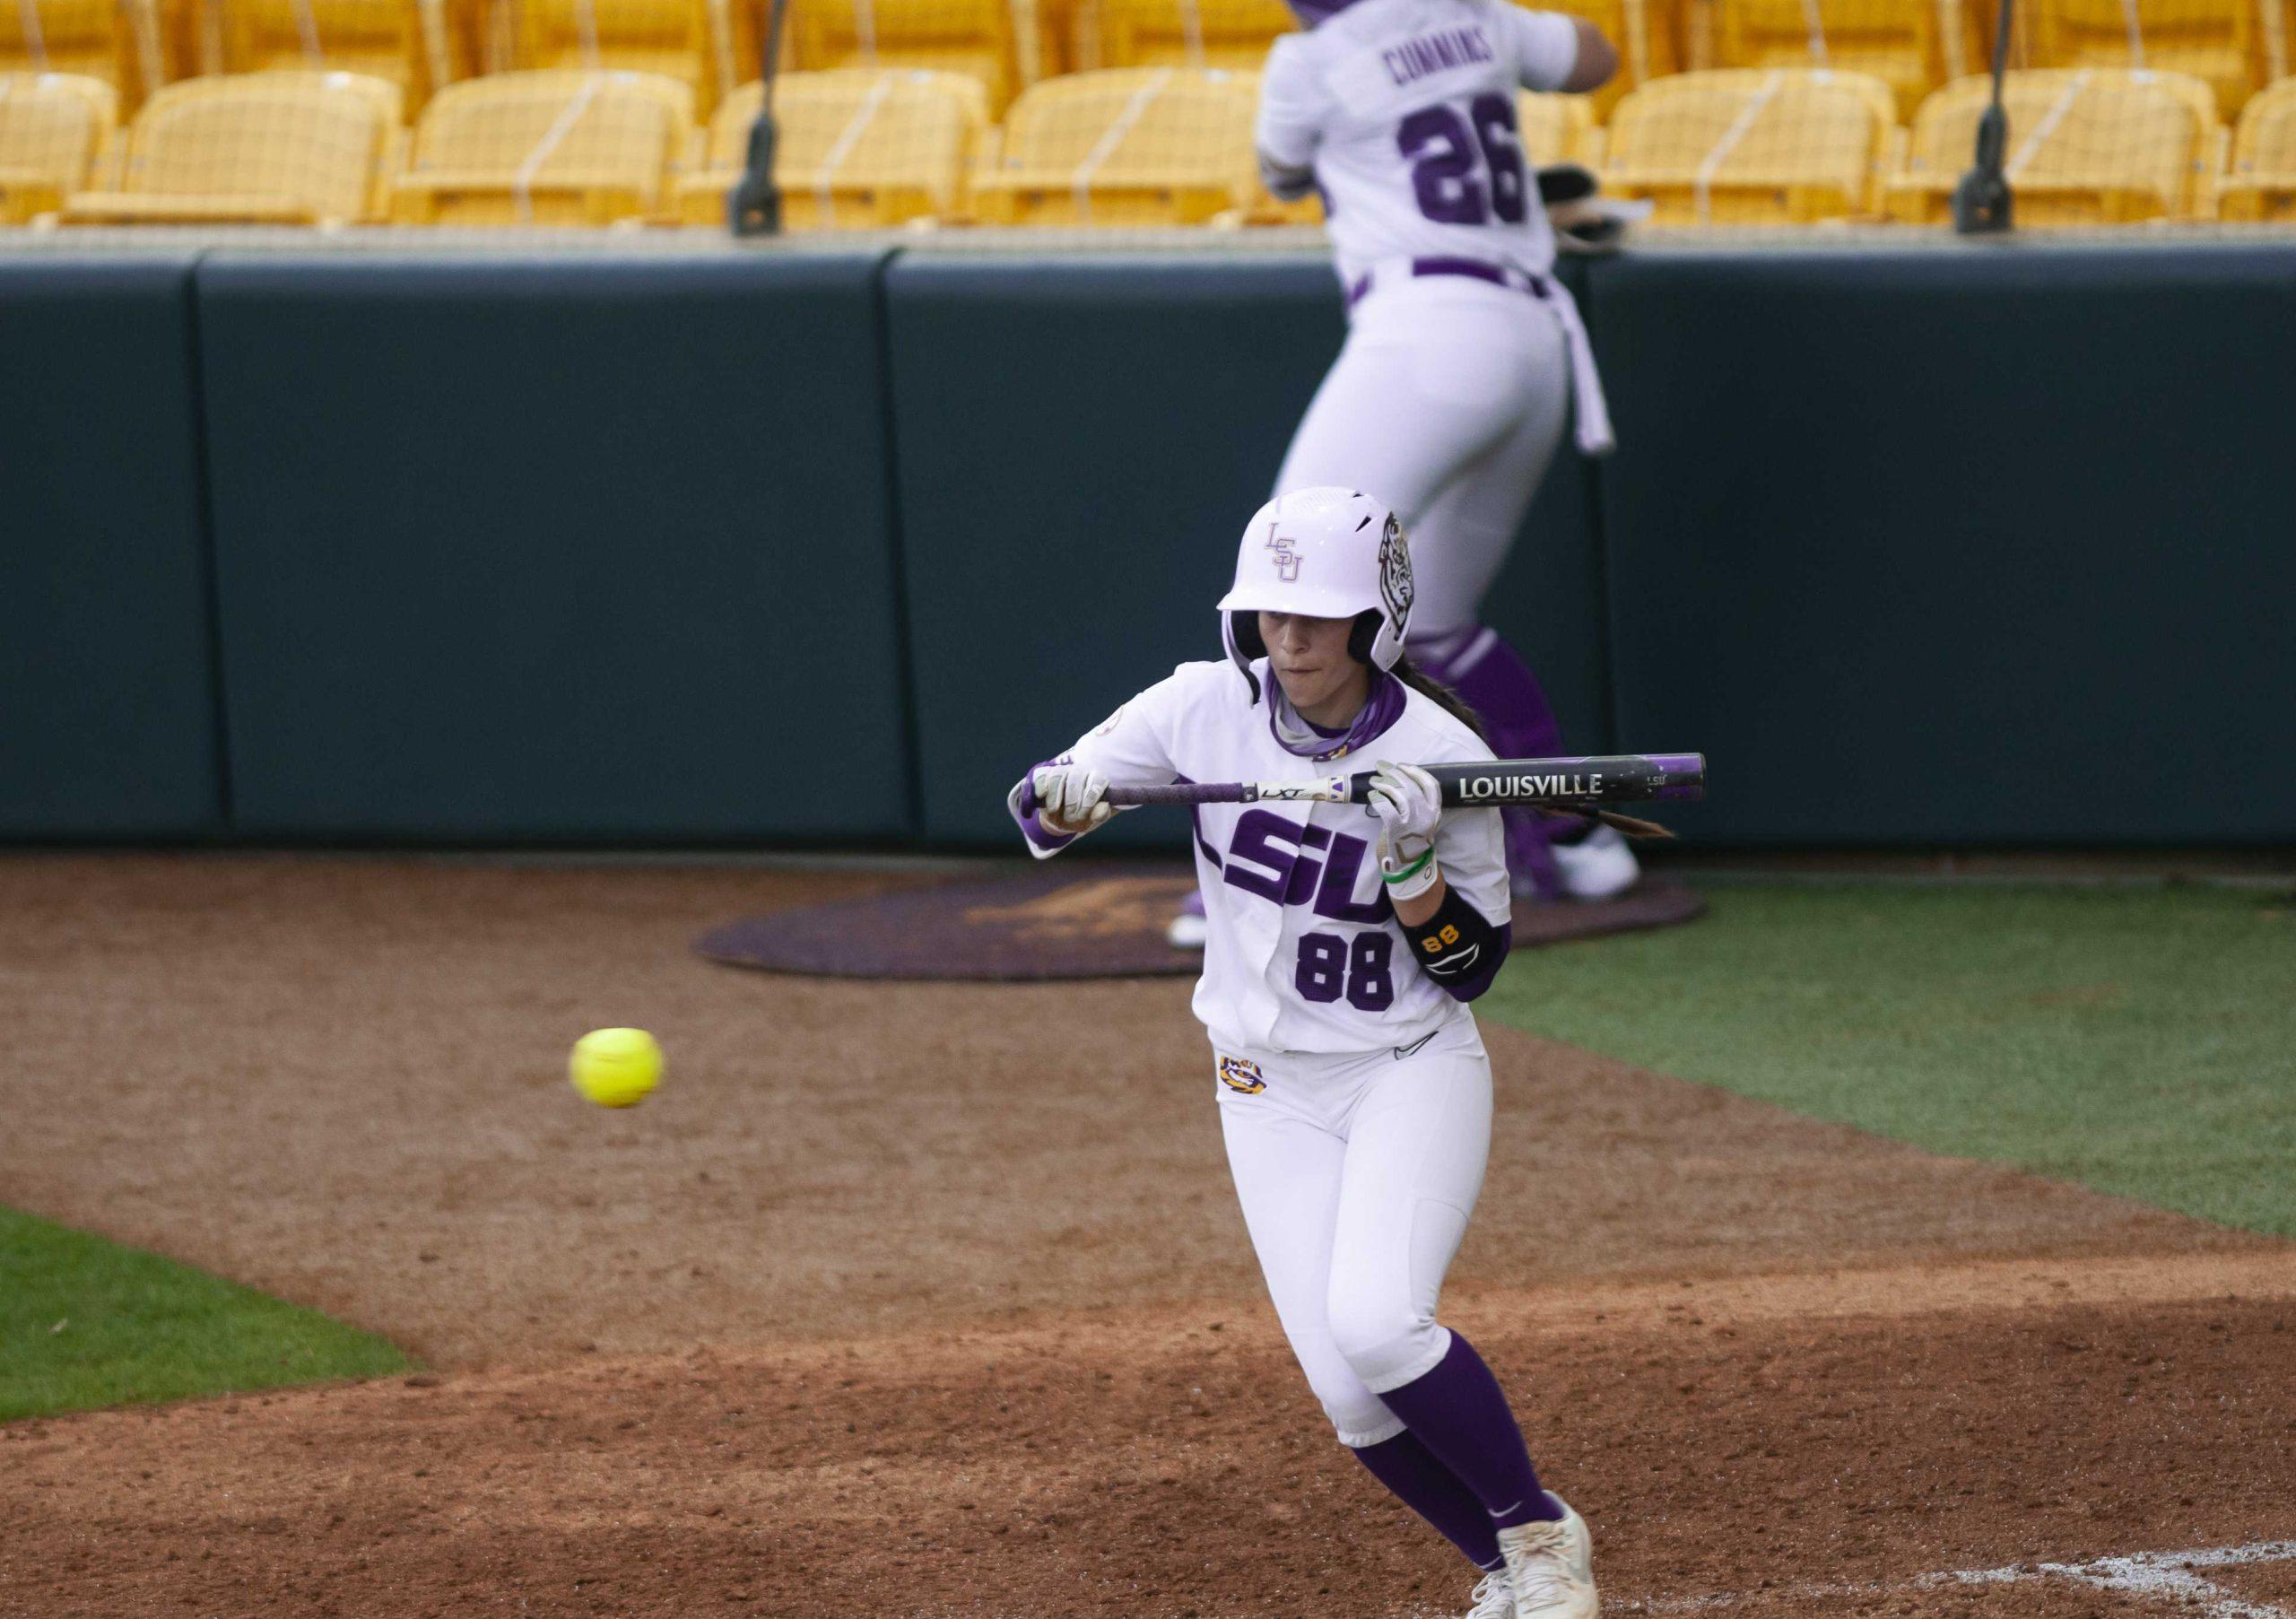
(1598, 866)
(1494, 1597)
(1187, 929)
(1552, 1567)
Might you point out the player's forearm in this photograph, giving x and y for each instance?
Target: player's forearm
(1596, 61)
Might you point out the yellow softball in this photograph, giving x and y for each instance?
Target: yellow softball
(616, 1067)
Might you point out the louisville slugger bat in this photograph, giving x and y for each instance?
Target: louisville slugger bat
(1565, 784)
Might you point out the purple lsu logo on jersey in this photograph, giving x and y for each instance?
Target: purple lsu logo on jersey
(1294, 864)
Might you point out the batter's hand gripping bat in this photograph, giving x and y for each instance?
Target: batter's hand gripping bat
(1574, 786)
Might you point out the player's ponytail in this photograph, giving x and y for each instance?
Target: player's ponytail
(1435, 691)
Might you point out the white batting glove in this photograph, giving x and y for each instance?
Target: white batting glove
(1407, 800)
(1409, 806)
(1071, 800)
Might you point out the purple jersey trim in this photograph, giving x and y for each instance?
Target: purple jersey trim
(1196, 821)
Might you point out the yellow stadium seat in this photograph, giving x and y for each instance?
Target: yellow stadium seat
(183, 27)
(1740, 146)
(2220, 42)
(546, 148)
(1555, 128)
(1645, 33)
(2087, 146)
(1056, 36)
(1124, 146)
(268, 148)
(117, 41)
(2261, 183)
(478, 38)
(859, 148)
(976, 36)
(1191, 33)
(53, 126)
(1912, 46)
(407, 42)
(687, 40)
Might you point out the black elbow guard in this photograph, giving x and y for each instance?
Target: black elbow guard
(1458, 948)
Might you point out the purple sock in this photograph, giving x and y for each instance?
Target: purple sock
(1434, 1491)
(1500, 687)
(1520, 723)
(1458, 1411)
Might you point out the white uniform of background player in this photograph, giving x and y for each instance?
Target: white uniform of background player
(1353, 1090)
(1462, 352)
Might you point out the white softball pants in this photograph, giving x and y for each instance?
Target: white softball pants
(1357, 1175)
(1446, 403)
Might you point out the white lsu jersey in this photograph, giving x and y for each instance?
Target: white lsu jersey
(1303, 951)
(1405, 112)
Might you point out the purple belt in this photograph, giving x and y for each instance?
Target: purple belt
(1474, 268)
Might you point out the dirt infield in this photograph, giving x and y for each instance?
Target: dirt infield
(932, 1299)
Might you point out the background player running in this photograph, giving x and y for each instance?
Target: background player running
(1354, 1094)
(1451, 393)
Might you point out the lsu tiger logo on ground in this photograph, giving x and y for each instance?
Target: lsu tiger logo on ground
(1240, 1073)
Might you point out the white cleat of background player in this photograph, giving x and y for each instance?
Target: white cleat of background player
(1598, 866)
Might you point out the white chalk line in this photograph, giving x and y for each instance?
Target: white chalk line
(2166, 1576)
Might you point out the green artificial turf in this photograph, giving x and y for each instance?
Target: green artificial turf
(84, 1323)
(2139, 1040)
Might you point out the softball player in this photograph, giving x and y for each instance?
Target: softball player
(1463, 352)
(1354, 1094)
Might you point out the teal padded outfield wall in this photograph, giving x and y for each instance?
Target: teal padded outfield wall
(108, 714)
(554, 547)
(1959, 547)
(1933, 546)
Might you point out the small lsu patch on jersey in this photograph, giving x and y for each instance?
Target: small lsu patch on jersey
(1241, 1074)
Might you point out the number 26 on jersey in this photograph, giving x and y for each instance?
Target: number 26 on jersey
(1466, 167)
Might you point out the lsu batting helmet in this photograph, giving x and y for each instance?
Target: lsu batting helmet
(1323, 553)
